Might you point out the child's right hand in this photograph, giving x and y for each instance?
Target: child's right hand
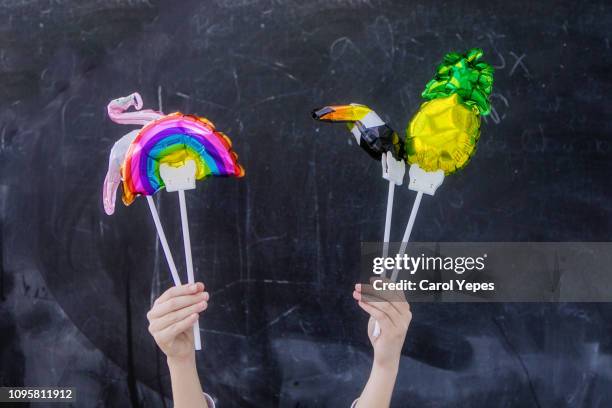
(392, 312)
(172, 316)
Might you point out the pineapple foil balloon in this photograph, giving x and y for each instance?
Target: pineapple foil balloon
(444, 132)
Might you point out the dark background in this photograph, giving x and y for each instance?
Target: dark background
(279, 249)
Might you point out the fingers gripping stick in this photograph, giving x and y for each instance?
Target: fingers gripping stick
(180, 179)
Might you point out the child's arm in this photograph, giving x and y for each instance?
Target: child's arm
(170, 323)
(394, 318)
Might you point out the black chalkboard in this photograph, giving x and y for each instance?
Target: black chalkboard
(279, 249)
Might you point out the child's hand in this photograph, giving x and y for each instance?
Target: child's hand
(172, 316)
(393, 314)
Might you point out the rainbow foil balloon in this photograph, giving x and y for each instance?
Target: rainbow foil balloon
(174, 139)
(444, 132)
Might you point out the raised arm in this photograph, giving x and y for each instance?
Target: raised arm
(170, 323)
(394, 316)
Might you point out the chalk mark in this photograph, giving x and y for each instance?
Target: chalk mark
(519, 62)
(516, 354)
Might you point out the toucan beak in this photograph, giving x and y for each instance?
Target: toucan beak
(319, 113)
(340, 113)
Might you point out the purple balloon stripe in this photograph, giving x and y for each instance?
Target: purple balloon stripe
(193, 127)
(222, 157)
(137, 175)
(210, 141)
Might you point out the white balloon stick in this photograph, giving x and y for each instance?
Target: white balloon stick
(421, 181)
(164, 241)
(189, 261)
(408, 231)
(392, 170)
(388, 218)
(180, 179)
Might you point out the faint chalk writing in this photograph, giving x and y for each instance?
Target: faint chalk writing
(519, 63)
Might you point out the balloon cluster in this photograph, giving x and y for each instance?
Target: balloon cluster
(443, 133)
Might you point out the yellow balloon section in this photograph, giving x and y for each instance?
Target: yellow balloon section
(180, 156)
(442, 135)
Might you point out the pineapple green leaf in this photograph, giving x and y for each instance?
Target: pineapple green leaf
(466, 76)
